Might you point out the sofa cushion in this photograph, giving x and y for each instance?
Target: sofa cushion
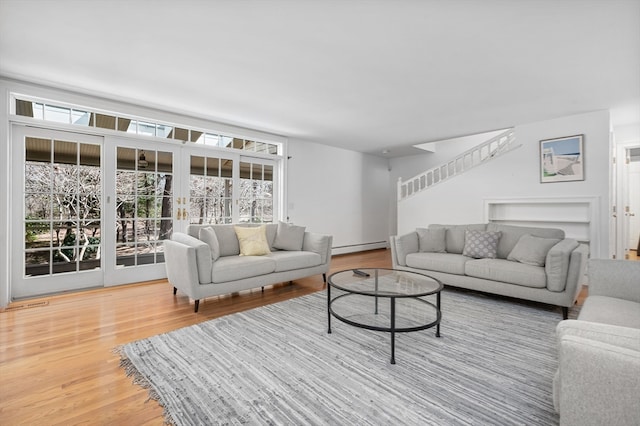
(481, 244)
(208, 235)
(449, 263)
(232, 268)
(610, 310)
(507, 271)
(289, 237)
(454, 238)
(511, 234)
(532, 250)
(290, 260)
(252, 240)
(432, 240)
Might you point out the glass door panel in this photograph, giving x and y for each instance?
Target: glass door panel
(143, 205)
(256, 197)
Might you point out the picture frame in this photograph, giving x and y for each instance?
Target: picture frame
(562, 159)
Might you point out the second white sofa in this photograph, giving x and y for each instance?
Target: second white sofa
(537, 264)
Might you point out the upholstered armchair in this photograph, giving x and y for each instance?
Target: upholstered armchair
(598, 377)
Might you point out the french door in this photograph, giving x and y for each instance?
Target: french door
(94, 211)
(142, 208)
(57, 211)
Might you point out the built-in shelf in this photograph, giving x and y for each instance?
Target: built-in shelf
(539, 220)
(576, 216)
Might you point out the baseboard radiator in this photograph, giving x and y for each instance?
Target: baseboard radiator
(354, 248)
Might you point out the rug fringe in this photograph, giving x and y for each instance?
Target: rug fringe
(140, 380)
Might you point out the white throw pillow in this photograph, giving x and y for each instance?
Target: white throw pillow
(432, 240)
(289, 237)
(208, 235)
(532, 250)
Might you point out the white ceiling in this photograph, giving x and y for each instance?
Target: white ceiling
(362, 75)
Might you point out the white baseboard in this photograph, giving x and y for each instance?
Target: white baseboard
(354, 248)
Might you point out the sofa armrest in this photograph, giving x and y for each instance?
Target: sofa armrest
(182, 268)
(557, 264)
(318, 243)
(615, 278)
(597, 381)
(402, 245)
(204, 263)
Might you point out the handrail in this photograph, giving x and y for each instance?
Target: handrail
(492, 148)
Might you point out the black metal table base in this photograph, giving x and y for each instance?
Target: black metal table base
(392, 329)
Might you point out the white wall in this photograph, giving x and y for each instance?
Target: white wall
(627, 133)
(339, 192)
(408, 167)
(516, 175)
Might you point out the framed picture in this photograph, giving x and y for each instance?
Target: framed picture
(562, 159)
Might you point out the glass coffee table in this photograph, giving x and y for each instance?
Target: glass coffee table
(386, 300)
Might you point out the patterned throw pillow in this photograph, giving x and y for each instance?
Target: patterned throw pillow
(253, 240)
(481, 244)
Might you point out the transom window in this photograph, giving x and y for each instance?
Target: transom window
(145, 127)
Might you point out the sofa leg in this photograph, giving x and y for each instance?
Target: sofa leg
(175, 290)
(290, 282)
(262, 289)
(324, 280)
(565, 312)
(197, 305)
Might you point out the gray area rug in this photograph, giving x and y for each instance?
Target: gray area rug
(277, 365)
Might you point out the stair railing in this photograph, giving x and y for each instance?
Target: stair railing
(492, 148)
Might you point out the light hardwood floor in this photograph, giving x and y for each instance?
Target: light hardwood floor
(57, 365)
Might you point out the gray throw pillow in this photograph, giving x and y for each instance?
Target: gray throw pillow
(432, 240)
(532, 250)
(481, 244)
(208, 235)
(289, 237)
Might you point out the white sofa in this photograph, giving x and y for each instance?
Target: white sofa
(598, 377)
(207, 260)
(537, 264)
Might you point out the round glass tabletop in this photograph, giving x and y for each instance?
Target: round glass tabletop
(385, 282)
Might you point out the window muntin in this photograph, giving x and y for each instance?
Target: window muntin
(103, 120)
